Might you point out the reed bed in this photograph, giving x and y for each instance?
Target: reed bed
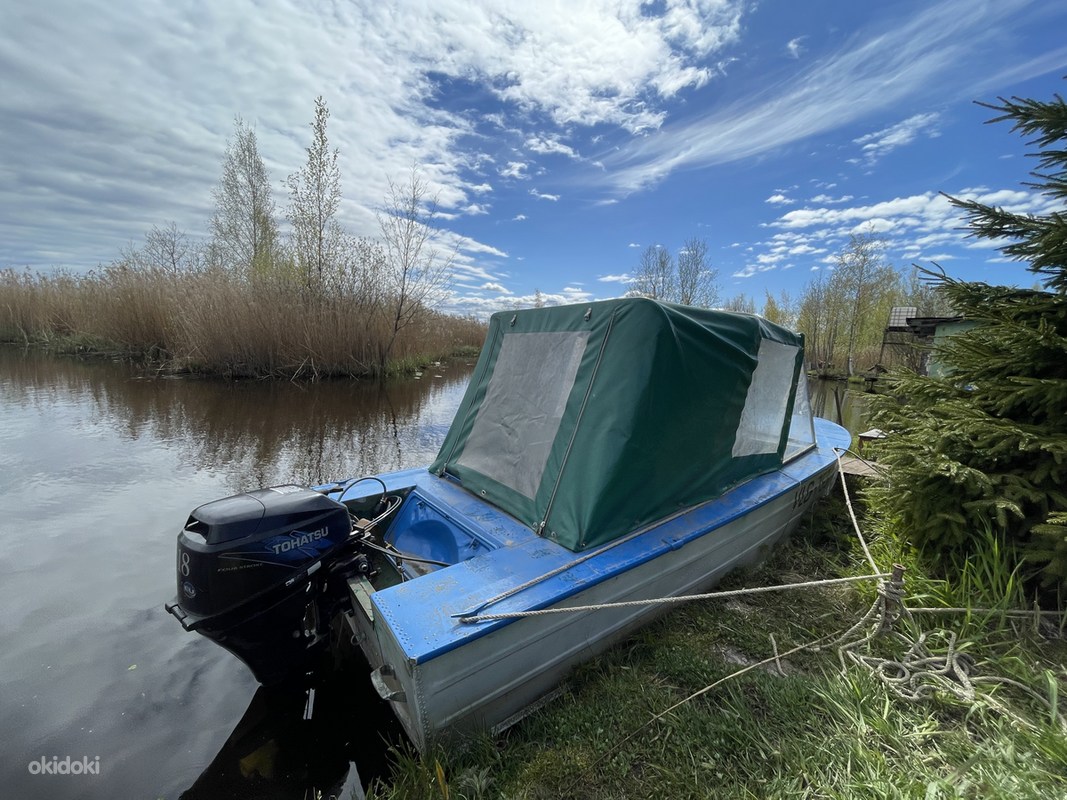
(214, 321)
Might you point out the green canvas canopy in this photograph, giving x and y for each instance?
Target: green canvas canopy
(587, 422)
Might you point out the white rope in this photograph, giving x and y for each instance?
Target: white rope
(918, 674)
(550, 574)
(474, 618)
(1007, 612)
(851, 512)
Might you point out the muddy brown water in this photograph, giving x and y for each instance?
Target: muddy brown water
(99, 467)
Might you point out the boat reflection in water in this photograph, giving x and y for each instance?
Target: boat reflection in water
(331, 741)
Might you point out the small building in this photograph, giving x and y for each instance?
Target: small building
(921, 337)
(930, 333)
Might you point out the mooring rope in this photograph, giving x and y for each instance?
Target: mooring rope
(840, 452)
(472, 616)
(918, 674)
(652, 601)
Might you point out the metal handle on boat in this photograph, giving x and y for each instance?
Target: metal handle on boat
(378, 679)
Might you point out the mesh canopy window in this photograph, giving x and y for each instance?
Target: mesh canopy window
(801, 424)
(587, 422)
(767, 400)
(524, 403)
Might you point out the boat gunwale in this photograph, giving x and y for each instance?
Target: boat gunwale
(443, 631)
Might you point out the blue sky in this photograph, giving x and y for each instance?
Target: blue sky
(561, 138)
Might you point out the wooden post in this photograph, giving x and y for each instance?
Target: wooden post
(893, 594)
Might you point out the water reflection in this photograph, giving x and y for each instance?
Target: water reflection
(253, 433)
(99, 467)
(838, 402)
(288, 745)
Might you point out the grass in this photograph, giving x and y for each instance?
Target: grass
(213, 321)
(810, 732)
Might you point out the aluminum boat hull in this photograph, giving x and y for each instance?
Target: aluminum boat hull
(445, 678)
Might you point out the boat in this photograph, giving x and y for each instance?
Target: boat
(604, 455)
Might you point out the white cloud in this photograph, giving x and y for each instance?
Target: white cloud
(547, 144)
(794, 48)
(878, 144)
(494, 287)
(923, 227)
(515, 169)
(920, 51)
(780, 200)
(518, 218)
(623, 278)
(575, 294)
(828, 200)
(544, 196)
(875, 225)
(633, 244)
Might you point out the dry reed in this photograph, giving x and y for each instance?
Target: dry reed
(214, 321)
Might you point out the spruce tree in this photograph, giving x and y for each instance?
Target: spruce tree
(985, 447)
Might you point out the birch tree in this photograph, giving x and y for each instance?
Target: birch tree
(654, 277)
(861, 278)
(244, 231)
(416, 273)
(697, 281)
(689, 280)
(314, 197)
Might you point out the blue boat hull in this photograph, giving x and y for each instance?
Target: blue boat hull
(446, 677)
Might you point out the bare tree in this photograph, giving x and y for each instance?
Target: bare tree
(165, 249)
(245, 234)
(169, 249)
(697, 281)
(739, 302)
(812, 318)
(690, 281)
(654, 277)
(416, 273)
(314, 197)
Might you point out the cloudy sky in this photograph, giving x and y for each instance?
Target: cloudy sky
(562, 138)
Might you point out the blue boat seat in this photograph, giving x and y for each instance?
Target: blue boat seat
(423, 530)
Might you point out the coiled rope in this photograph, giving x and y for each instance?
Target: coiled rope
(919, 673)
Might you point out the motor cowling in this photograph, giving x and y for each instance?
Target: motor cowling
(233, 550)
(247, 570)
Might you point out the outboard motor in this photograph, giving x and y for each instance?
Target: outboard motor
(252, 573)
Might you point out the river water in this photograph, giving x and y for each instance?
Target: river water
(99, 467)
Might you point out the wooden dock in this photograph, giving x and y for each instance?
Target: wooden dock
(858, 466)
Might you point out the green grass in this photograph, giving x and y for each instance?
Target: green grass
(812, 732)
